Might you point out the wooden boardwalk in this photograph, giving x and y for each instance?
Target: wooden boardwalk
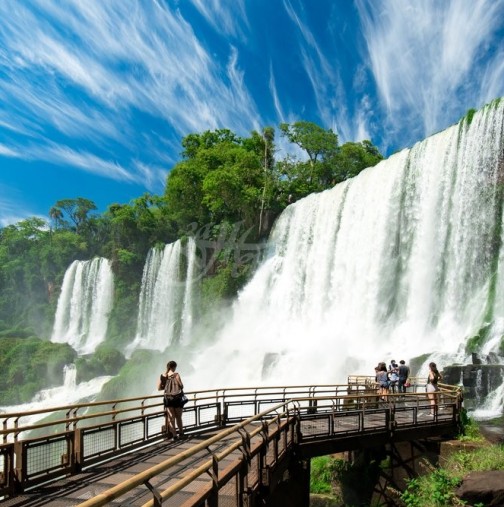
(229, 462)
(97, 479)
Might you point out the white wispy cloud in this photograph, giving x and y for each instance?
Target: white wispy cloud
(325, 78)
(79, 66)
(320, 73)
(224, 16)
(274, 94)
(88, 162)
(8, 152)
(429, 57)
(154, 177)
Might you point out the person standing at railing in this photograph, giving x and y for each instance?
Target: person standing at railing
(382, 380)
(171, 383)
(393, 375)
(432, 387)
(404, 373)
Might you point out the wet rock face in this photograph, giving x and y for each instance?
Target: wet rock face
(478, 380)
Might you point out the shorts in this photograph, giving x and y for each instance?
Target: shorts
(432, 388)
(173, 403)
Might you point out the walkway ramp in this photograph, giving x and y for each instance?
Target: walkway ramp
(240, 443)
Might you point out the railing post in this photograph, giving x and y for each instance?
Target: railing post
(20, 469)
(213, 499)
(78, 451)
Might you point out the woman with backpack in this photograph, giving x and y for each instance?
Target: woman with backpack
(171, 383)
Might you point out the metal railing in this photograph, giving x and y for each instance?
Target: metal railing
(77, 436)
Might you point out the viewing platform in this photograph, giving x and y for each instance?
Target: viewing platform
(243, 446)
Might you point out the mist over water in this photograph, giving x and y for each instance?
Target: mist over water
(70, 392)
(403, 260)
(84, 305)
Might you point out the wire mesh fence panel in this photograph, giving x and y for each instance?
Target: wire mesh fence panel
(405, 416)
(131, 432)
(375, 420)
(99, 441)
(207, 414)
(155, 425)
(238, 411)
(316, 426)
(346, 423)
(228, 494)
(253, 472)
(46, 456)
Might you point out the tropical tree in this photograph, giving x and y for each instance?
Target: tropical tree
(76, 210)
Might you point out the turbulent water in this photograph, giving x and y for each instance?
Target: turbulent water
(84, 305)
(167, 297)
(403, 260)
(70, 392)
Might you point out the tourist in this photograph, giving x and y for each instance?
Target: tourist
(432, 387)
(393, 375)
(382, 380)
(404, 373)
(171, 383)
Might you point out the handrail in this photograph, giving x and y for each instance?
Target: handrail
(194, 397)
(142, 477)
(209, 409)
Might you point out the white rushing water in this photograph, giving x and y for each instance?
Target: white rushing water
(167, 297)
(398, 262)
(70, 392)
(84, 305)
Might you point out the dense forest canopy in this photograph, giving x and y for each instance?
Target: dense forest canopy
(222, 181)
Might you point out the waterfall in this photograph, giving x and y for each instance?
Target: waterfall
(167, 297)
(403, 260)
(479, 388)
(84, 304)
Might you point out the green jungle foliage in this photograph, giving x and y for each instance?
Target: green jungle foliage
(29, 364)
(437, 489)
(226, 191)
(105, 361)
(346, 482)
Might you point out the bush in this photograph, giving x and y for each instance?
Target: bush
(105, 361)
(438, 488)
(321, 475)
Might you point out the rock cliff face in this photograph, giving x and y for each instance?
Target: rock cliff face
(478, 380)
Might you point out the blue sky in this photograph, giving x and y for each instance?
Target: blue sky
(95, 95)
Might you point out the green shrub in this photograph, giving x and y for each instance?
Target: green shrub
(105, 361)
(437, 489)
(470, 429)
(321, 475)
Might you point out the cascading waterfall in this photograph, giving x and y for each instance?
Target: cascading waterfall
(479, 387)
(84, 305)
(403, 260)
(167, 296)
(492, 406)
